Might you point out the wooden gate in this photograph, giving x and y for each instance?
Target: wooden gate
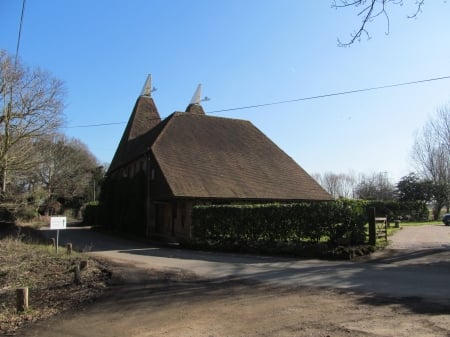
(377, 227)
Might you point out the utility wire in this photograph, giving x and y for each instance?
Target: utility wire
(334, 94)
(92, 125)
(297, 99)
(16, 57)
(20, 34)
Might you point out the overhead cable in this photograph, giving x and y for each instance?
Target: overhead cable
(332, 94)
(387, 86)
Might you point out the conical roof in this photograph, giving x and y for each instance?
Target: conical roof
(145, 116)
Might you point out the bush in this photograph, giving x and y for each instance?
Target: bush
(405, 210)
(308, 222)
(26, 212)
(91, 213)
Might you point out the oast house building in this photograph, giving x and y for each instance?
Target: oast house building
(192, 158)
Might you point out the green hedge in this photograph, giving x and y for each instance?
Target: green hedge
(401, 210)
(308, 222)
(335, 222)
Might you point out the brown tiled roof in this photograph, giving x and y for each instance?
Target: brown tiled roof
(145, 116)
(195, 109)
(209, 157)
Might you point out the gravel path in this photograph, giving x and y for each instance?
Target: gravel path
(416, 245)
(421, 237)
(403, 293)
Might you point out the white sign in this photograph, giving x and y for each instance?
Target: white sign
(58, 222)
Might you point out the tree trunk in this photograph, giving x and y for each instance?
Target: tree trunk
(3, 181)
(437, 210)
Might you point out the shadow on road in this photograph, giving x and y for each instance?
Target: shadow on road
(84, 239)
(415, 304)
(173, 293)
(388, 256)
(411, 274)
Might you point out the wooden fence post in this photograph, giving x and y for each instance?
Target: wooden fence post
(69, 248)
(372, 226)
(22, 299)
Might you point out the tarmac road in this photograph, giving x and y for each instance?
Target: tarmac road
(416, 264)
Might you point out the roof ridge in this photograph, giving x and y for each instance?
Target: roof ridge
(164, 123)
(183, 113)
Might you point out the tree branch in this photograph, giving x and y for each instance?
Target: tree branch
(419, 9)
(371, 10)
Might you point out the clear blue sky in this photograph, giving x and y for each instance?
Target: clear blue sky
(244, 53)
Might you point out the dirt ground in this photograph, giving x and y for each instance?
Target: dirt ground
(155, 303)
(147, 302)
(50, 279)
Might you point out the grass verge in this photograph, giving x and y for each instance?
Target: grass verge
(420, 223)
(24, 262)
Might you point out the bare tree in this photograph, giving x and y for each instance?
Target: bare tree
(375, 186)
(66, 169)
(31, 104)
(369, 10)
(441, 126)
(339, 185)
(65, 175)
(431, 155)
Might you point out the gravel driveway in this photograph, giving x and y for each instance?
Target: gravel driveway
(427, 245)
(421, 237)
(392, 295)
(415, 264)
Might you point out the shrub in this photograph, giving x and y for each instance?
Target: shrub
(305, 222)
(91, 213)
(410, 210)
(26, 212)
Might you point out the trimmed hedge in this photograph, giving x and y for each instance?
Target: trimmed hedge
(292, 227)
(307, 222)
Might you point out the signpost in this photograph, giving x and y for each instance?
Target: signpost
(58, 222)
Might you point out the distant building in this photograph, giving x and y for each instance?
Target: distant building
(191, 158)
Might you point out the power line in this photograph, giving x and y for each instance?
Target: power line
(20, 33)
(387, 86)
(9, 108)
(92, 125)
(333, 94)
